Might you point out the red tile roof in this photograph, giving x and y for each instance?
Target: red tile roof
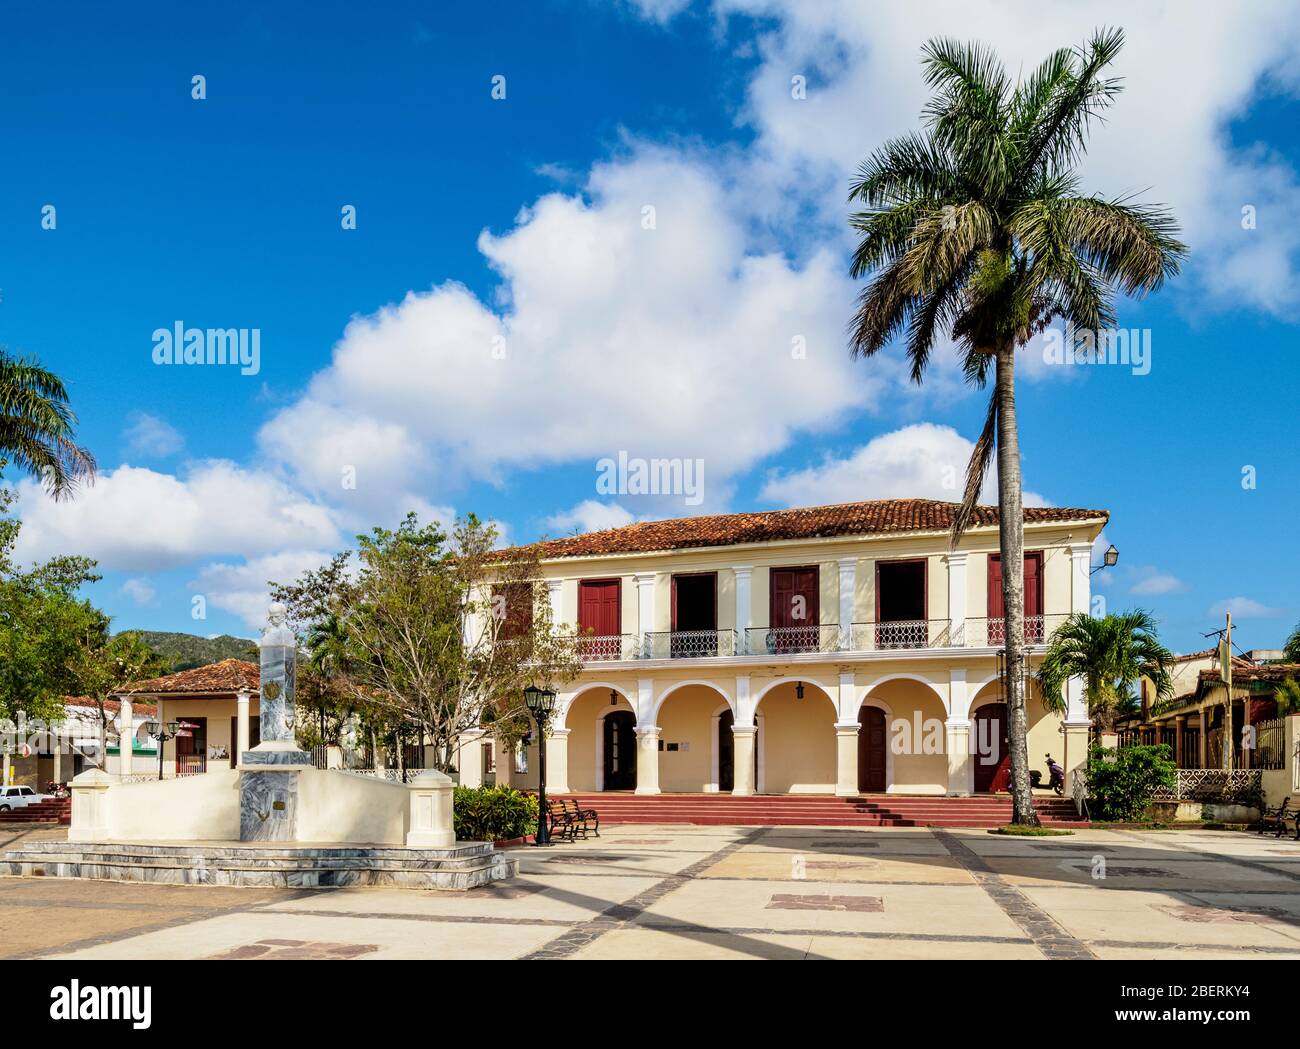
(1249, 672)
(876, 517)
(228, 676)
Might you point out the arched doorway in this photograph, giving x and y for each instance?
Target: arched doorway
(872, 745)
(620, 750)
(726, 752)
(990, 751)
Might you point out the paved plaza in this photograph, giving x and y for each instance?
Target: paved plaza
(725, 892)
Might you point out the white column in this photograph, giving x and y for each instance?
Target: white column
(125, 738)
(848, 590)
(557, 761)
(647, 759)
(744, 604)
(555, 593)
(469, 757)
(645, 605)
(742, 759)
(957, 743)
(1080, 577)
(1077, 723)
(242, 729)
(744, 704)
(56, 750)
(846, 754)
(961, 771)
(847, 703)
(957, 598)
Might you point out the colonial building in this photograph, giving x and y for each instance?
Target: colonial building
(218, 705)
(832, 650)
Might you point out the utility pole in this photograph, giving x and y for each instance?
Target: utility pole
(1225, 672)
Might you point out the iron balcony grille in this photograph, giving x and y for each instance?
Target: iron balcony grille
(904, 633)
(992, 632)
(689, 644)
(599, 648)
(791, 640)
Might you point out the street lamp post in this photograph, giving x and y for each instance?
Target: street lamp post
(541, 702)
(161, 732)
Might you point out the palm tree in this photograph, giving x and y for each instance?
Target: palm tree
(977, 229)
(1291, 650)
(1287, 696)
(37, 426)
(1111, 654)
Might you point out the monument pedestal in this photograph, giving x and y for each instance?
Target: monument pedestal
(268, 794)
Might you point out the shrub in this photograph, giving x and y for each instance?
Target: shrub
(493, 813)
(1121, 782)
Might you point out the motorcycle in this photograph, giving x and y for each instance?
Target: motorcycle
(57, 790)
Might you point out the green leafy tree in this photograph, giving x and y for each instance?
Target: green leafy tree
(1111, 654)
(977, 230)
(37, 427)
(433, 634)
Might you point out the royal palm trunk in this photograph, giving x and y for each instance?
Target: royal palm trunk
(1011, 529)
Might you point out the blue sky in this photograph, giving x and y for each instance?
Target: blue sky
(523, 220)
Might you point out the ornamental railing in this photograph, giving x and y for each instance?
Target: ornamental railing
(689, 644)
(600, 648)
(791, 640)
(1238, 785)
(1270, 744)
(991, 632)
(1079, 792)
(904, 633)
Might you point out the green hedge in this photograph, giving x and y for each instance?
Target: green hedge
(1121, 782)
(493, 813)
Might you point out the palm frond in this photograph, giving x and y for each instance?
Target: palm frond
(980, 457)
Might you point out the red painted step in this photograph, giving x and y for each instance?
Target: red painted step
(873, 810)
(51, 810)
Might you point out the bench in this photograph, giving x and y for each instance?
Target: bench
(560, 822)
(589, 819)
(1275, 819)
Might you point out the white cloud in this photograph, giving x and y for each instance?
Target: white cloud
(660, 11)
(242, 588)
(590, 515)
(1152, 581)
(136, 519)
(673, 341)
(1246, 608)
(151, 436)
(1189, 69)
(922, 461)
(140, 591)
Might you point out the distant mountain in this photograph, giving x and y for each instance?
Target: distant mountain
(187, 651)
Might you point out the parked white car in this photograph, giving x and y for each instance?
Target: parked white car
(18, 797)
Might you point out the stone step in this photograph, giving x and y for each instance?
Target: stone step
(465, 866)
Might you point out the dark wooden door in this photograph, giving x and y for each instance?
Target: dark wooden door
(989, 749)
(795, 609)
(620, 750)
(254, 736)
(599, 607)
(726, 752)
(192, 747)
(1033, 597)
(600, 618)
(871, 750)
